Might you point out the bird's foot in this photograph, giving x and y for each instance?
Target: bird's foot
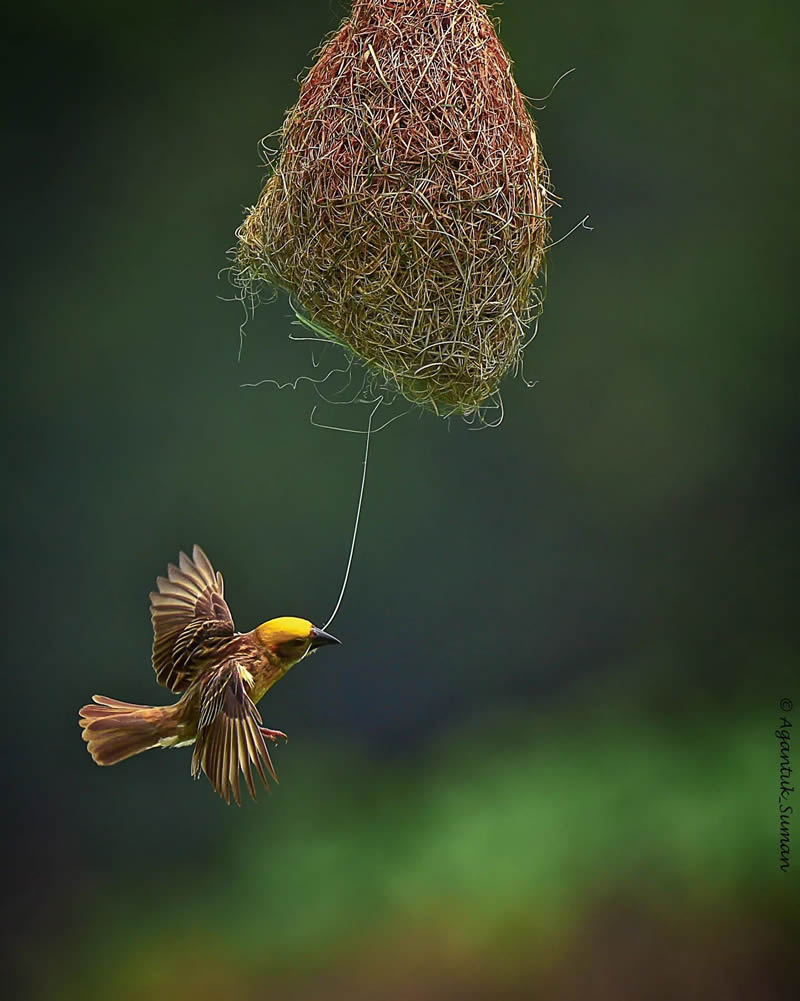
(273, 735)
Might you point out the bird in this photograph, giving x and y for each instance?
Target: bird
(220, 675)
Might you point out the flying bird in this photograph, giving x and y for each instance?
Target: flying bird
(220, 675)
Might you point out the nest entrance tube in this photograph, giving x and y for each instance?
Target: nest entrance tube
(407, 210)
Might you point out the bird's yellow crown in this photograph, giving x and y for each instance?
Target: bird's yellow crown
(276, 632)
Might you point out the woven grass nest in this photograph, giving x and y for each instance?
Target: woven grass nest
(407, 211)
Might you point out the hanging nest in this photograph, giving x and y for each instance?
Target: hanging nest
(407, 212)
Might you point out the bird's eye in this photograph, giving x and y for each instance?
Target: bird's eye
(295, 644)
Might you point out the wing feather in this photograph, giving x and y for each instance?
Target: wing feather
(229, 740)
(188, 609)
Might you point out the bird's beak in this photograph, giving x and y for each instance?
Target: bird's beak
(320, 638)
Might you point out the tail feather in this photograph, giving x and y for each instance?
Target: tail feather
(104, 700)
(117, 730)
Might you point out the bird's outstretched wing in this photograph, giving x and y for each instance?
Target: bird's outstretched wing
(188, 611)
(229, 737)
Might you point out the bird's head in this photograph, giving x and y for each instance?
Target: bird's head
(288, 639)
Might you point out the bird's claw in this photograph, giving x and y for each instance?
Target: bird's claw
(273, 735)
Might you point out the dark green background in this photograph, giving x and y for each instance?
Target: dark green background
(543, 764)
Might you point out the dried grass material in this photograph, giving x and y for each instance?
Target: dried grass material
(407, 211)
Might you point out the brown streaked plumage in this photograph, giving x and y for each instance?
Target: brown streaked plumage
(220, 675)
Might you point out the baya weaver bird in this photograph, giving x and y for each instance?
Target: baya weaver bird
(220, 675)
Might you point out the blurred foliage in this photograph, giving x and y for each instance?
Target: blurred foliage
(542, 764)
(488, 851)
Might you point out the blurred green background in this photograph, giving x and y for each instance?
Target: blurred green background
(543, 764)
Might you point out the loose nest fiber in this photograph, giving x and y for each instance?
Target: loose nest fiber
(407, 212)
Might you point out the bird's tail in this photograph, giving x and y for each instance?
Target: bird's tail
(117, 730)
